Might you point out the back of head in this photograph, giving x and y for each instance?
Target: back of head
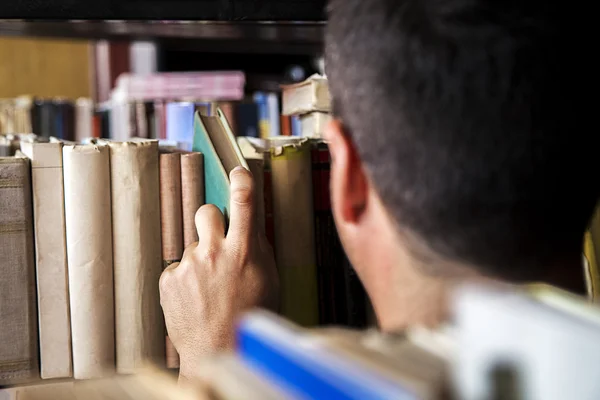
(463, 114)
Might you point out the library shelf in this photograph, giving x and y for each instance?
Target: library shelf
(213, 10)
(210, 36)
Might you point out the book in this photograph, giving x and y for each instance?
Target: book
(314, 123)
(192, 194)
(309, 95)
(51, 258)
(295, 253)
(90, 259)
(309, 367)
(171, 217)
(214, 139)
(18, 330)
(136, 225)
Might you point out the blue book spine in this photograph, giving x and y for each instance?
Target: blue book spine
(296, 126)
(180, 124)
(247, 119)
(306, 368)
(264, 124)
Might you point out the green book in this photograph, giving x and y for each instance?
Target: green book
(213, 137)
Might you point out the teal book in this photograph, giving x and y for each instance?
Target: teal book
(213, 138)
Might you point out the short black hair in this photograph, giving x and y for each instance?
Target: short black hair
(464, 113)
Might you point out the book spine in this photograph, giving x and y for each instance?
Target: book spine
(192, 193)
(90, 259)
(268, 201)
(171, 224)
(294, 232)
(258, 173)
(137, 258)
(180, 124)
(18, 330)
(51, 259)
(84, 119)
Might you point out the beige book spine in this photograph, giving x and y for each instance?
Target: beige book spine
(18, 320)
(171, 224)
(139, 325)
(51, 258)
(291, 174)
(90, 259)
(192, 194)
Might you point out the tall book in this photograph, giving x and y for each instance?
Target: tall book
(291, 180)
(90, 259)
(192, 194)
(171, 225)
(18, 330)
(139, 326)
(51, 258)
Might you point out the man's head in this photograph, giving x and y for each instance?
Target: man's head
(456, 126)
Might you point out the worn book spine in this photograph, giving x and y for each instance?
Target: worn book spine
(90, 259)
(84, 125)
(18, 330)
(192, 193)
(171, 224)
(139, 324)
(291, 175)
(51, 258)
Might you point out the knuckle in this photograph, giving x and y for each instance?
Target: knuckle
(241, 254)
(209, 255)
(164, 282)
(242, 195)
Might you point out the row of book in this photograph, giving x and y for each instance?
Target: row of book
(87, 228)
(154, 106)
(538, 343)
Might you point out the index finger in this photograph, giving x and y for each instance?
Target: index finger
(241, 204)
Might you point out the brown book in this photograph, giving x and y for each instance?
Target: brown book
(192, 193)
(90, 259)
(139, 325)
(18, 330)
(171, 224)
(51, 258)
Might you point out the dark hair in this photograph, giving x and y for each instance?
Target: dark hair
(464, 114)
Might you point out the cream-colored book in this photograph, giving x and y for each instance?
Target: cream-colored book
(90, 259)
(51, 258)
(309, 95)
(139, 324)
(314, 123)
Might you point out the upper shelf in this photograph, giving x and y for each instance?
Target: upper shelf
(240, 36)
(208, 10)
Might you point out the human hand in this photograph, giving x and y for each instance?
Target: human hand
(218, 278)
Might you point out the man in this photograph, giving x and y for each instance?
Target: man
(456, 157)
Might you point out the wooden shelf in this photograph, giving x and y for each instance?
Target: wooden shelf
(213, 10)
(207, 36)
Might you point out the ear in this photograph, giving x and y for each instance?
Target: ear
(349, 185)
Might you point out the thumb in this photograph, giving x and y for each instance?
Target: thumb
(241, 218)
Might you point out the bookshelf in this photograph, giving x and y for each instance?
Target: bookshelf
(213, 10)
(255, 37)
(284, 38)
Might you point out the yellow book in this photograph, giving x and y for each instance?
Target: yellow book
(291, 174)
